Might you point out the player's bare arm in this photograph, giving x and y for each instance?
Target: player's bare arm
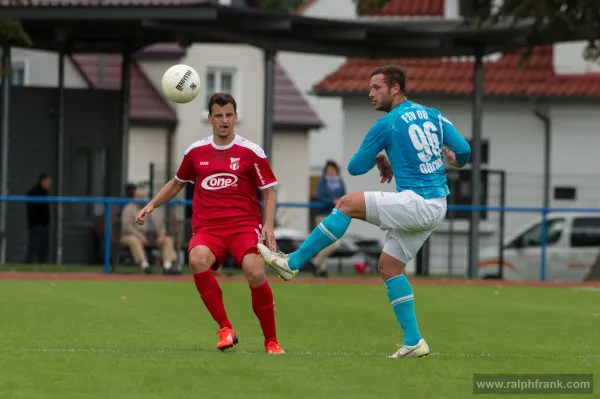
(451, 156)
(385, 168)
(166, 194)
(269, 206)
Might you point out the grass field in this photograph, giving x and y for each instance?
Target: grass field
(146, 339)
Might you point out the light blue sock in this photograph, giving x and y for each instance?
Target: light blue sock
(331, 229)
(401, 297)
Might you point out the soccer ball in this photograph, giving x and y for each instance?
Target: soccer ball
(181, 83)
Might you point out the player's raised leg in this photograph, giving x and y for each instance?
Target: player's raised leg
(202, 260)
(331, 229)
(263, 303)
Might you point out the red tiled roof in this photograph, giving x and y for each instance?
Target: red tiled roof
(410, 8)
(146, 103)
(291, 110)
(454, 77)
(164, 48)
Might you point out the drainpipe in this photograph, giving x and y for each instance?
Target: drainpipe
(545, 118)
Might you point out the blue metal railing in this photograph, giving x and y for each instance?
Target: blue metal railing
(110, 201)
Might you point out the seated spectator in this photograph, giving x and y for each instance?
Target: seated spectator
(330, 189)
(153, 233)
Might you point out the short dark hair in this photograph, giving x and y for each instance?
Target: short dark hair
(221, 99)
(130, 189)
(392, 74)
(333, 164)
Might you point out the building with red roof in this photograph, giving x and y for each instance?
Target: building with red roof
(554, 92)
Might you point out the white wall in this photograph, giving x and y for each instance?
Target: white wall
(339, 9)
(293, 181)
(307, 69)
(41, 69)
(146, 145)
(568, 59)
(574, 156)
(516, 145)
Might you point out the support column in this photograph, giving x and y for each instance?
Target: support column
(476, 162)
(125, 106)
(269, 104)
(60, 170)
(4, 117)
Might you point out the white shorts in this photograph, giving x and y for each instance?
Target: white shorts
(407, 217)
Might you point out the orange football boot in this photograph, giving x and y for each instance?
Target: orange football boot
(227, 339)
(273, 348)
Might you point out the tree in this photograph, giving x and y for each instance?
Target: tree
(12, 33)
(369, 6)
(278, 5)
(552, 20)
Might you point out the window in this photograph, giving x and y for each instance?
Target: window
(586, 232)
(564, 193)
(533, 236)
(219, 80)
(18, 73)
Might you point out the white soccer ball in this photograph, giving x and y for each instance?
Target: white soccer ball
(181, 83)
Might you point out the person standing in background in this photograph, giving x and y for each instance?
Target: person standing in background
(38, 222)
(330, 189)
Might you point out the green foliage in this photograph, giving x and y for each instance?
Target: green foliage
(552, 21)
(281, 5)
(12, 32)
(369, 6)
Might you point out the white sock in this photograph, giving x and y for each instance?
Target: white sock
(145, 264)
(167, 265)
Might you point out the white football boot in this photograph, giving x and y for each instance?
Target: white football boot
(421, 349)
(278, 262)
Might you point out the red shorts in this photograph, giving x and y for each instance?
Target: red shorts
(237, 241)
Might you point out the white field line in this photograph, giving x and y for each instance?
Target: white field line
(300, 353)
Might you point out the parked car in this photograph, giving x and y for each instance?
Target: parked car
(370, 246)
(350, 258)
(572, 246)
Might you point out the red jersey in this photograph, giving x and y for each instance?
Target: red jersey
(227, 180)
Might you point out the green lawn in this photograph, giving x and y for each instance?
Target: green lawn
(146, 340)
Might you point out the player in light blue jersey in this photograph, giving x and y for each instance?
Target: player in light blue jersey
(414, 138)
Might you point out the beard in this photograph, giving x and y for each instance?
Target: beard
(385, 106)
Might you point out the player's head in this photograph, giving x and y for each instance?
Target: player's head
(45, 181)
(141, 193)
(331, 169)
(222, 114)
(387, 87)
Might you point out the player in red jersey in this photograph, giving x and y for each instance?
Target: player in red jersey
(227, 171)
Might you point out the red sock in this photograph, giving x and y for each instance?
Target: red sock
(212, 296)
(264, 309)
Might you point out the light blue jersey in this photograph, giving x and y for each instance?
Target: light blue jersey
(412, 136)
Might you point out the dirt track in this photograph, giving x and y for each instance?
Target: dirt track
(301, 280)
